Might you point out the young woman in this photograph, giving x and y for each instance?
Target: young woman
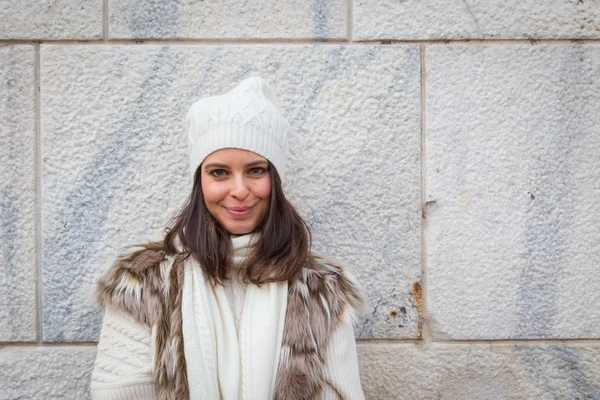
(232, 304)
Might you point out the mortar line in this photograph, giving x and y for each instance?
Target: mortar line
(423, 325)
(416, 342)
(521, 341)
(46, 344)
(175, 41)
(481, 341)
(334, 41)
(38, 199)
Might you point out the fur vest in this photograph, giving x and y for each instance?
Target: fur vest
(148, 284)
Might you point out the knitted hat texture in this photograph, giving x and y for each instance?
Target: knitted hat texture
(247, 117)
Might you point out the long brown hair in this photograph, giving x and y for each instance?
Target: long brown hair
(280, 252)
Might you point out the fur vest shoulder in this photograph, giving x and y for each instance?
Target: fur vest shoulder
(148, 284)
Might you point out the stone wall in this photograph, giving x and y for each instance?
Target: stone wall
(446, 152)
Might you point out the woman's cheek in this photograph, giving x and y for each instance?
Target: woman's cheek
(265, 187)
(213, 192)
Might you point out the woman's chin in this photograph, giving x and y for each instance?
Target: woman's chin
(239, 229)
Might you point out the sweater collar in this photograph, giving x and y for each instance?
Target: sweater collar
(242, 245)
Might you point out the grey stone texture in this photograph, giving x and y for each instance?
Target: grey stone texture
(17, 193)
(46, 372)
(115, 161)
(51, 19)
(229, 19)
(483, 371)
(513, 190)
(475, 19)
(113, 169)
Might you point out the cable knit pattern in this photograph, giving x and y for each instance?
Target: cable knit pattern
(124, 359)
(235, 290)
(341, 364)
(132, 392)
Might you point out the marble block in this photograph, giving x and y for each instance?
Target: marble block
(46, 372)
(51, 19)
(513, 190)
(480, 371)
(229, 19)
(115, 161)
(475, 19)
(17, 194)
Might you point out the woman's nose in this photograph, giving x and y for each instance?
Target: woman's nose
(239, 189)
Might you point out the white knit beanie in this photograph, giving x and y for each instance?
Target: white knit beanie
(248, 117)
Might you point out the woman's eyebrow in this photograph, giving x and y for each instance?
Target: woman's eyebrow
(255, 163)
(215, 165)
(248, 165)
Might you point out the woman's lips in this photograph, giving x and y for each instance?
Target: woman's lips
(239, 212)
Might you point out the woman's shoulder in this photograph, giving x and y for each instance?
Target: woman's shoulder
(326, 280)
(139, 260)
(135, 281)
(327, 267)
(324, 264)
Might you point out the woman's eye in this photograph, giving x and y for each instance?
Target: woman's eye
(218, 173)
(257, 171)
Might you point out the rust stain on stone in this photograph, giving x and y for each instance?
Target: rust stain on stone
(417, 293)
(393, 314)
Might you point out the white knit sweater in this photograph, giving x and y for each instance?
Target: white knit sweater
(123, 368)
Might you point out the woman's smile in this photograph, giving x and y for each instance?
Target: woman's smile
(239, 212)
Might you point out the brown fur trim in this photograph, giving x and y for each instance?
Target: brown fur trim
(317, 301)
(132, 284)
(149, 284)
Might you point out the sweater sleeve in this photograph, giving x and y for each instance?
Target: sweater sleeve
(123, 368)
(341, 365)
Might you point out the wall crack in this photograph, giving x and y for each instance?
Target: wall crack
(474, 19)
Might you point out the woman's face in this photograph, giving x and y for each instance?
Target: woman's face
(236, 185)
